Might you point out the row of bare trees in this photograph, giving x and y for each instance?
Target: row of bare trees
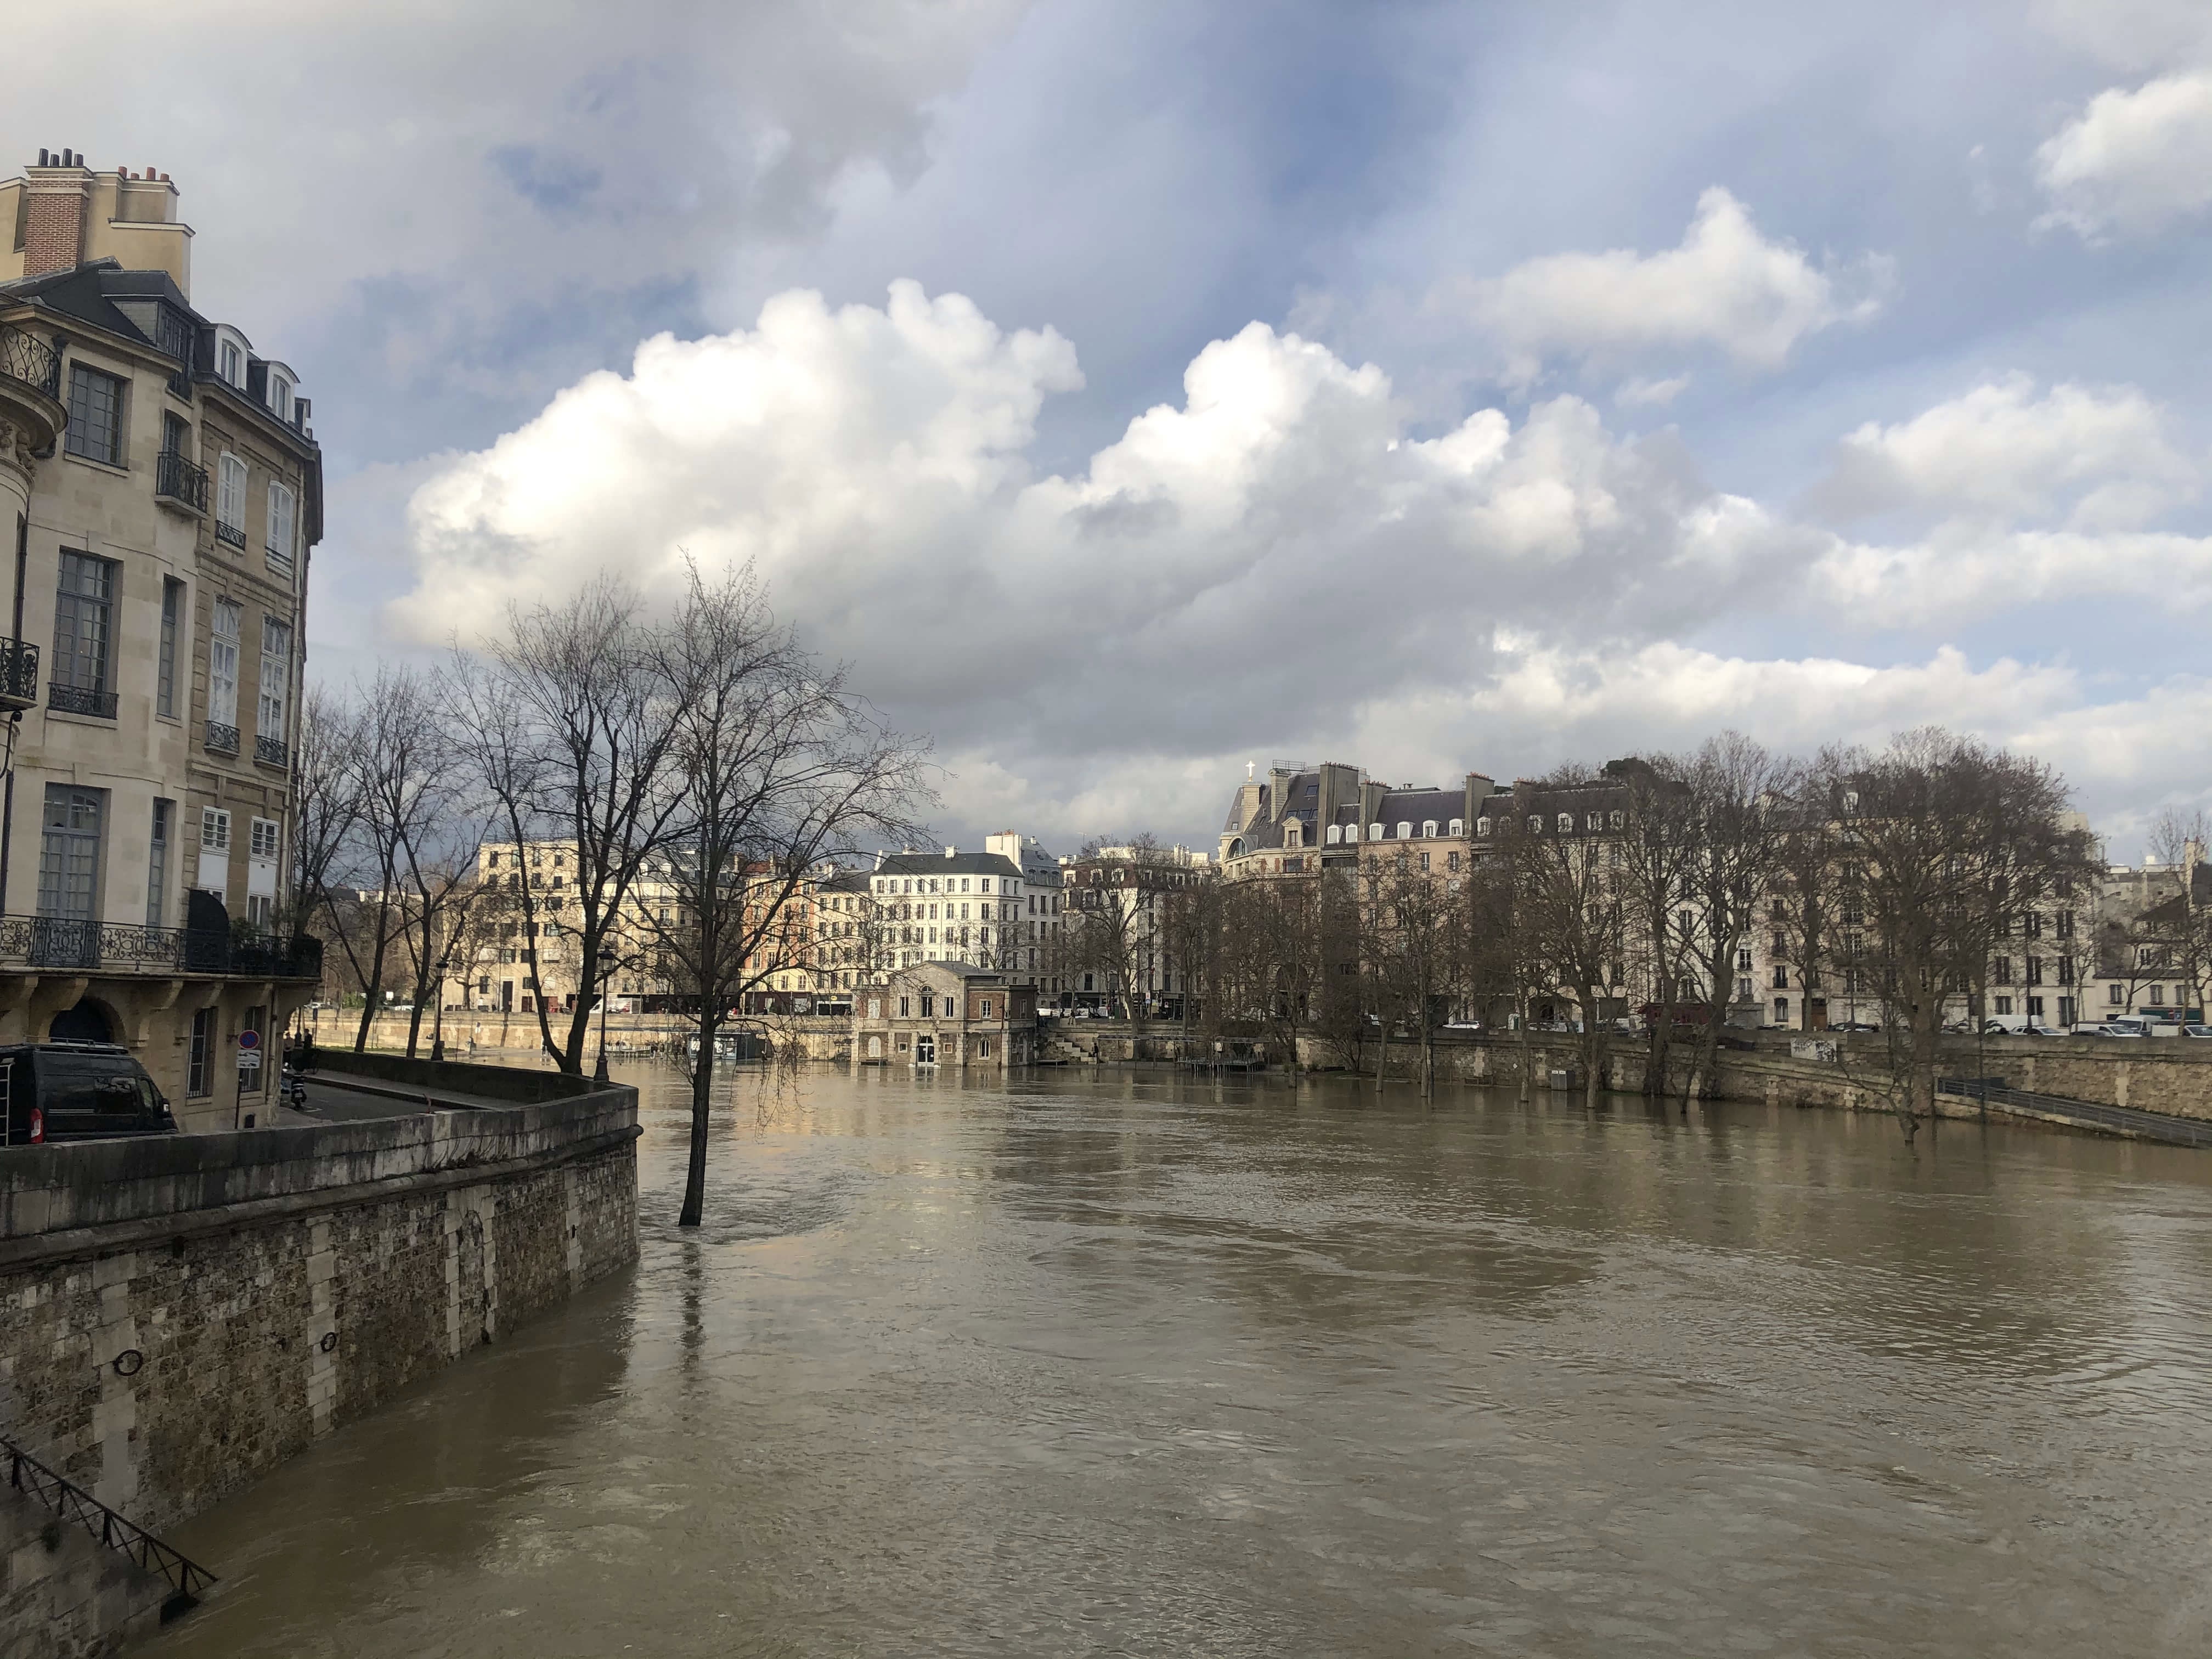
(1891, 875)
(696, 752)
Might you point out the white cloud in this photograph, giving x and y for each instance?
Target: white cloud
(1278, 563)
(2130, 34)
(1727, 289)
(1649, 394)
(2132, 162)
(2099, 457)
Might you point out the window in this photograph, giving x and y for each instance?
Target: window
(1743, 957)
(1482, 826)
(157, 864)
(230, 363)
(69, 854)
(1781, 1011)
(223, 666)
(280, 397)
(215, 850)
(1451, 862)
(165, 673)
(2158, 996)
(2001, 970)
(275, 679)
(1425, 863)
(982, 1008)
(199, 1074)
(906, 1007)
(1618, 817)
(1594, 823)
(2113, 995)
(1374, 832)
(1428, 830)
(1781, 977)
(1536, 824)
(95, 416)
(230, 499)
(283, 525)
(1850, 802)
(2004, 1005)
(2035, 970)
(1405, 830)
(1458, 827)
(83, 618)
(1335, 834)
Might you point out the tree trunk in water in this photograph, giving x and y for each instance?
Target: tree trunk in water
(1382, 1059)
(702, 1091)
(1528, 1056)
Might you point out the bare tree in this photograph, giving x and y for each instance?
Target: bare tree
(326, 797)
(1575, 921)
(1926, 830)
(775, 767)
(570, 727)
(2179, 929)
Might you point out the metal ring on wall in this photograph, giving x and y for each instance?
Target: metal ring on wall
(129, 1362)
(329, 1341)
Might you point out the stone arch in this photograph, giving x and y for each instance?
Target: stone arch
(87, 1020)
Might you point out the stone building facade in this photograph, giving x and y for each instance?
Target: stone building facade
(945, 1013)
(163, 491)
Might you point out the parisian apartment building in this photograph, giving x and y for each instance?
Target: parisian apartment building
(164, 489)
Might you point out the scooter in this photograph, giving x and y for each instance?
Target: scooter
(292, 1090)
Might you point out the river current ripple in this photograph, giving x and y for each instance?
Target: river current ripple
(1146, 1365)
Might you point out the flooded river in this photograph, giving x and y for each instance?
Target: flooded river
(1155, 1367)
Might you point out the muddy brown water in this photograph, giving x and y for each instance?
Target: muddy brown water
(1149, 1366)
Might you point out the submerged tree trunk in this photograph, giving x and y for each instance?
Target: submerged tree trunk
(702, 1093)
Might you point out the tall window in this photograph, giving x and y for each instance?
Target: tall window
(83, 616)
(230, 363)
(283, 525)
(230, 499)
(199, 1071)
(173, 619)
(275, 679)
(69, 853)
(176, 434)
(95, 415)
(222, 665)
(157, 864)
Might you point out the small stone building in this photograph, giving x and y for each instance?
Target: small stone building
(945, 1013)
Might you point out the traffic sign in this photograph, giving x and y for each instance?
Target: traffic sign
(249, 1039)
(250, 1061)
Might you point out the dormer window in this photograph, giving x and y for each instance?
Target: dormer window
(1374, 832)
(1458, 827)
(1335, 834)
(1482, 826)
(230, 363)
(1428, 829)
(1566, 824)
(1405, 830)
(280, 397)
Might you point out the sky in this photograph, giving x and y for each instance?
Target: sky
(1129, 392)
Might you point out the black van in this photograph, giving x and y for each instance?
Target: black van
(78, 1091)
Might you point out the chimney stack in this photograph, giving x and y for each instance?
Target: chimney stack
(60, 197)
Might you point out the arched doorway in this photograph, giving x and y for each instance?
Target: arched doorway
(85, 1023)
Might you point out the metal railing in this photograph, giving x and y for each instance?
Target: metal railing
(65, 942)
(19, 671)
(31, 361)
(234, 534)
(2084, 1114)
(81, 700)
(179, 480)
(272, 752)
(221, 739)
(187, 1580)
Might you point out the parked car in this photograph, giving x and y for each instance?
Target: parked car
(78, 1091)
(2122, 1028)
(1859, 1025)
(2197, 1030)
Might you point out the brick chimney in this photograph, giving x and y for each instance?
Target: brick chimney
(60, 199)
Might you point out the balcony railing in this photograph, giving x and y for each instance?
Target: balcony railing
(272, 752)
(30, 361)
(19, 674)
(222, 740)
(81, 700)
(60, 942)
(176, 479)
(234, 534)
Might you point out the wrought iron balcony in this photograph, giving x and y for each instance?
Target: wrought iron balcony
(234, 534)
(272, 752)
(180, 482)
(81, 700)
(221, 739)
(60, 942)
(29, 361)
(19, 674)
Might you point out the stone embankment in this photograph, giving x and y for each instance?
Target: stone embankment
(178, 1314)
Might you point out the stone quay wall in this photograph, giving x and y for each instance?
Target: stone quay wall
(178, 1314)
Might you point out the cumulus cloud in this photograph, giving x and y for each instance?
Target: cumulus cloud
(2098, 458)
(1281, 560)
(2133, 161)
(1727, 288)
